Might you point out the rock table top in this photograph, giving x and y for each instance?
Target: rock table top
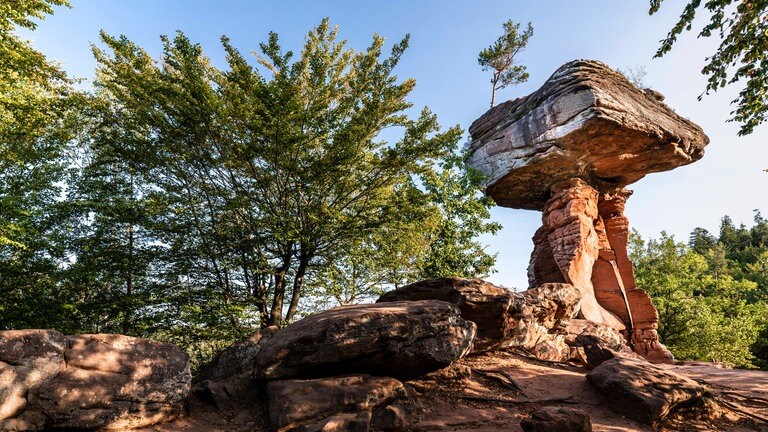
(587, 121)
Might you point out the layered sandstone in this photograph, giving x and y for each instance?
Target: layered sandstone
(569, 149)
(587, 121)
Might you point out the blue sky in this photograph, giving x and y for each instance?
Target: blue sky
(445, 39)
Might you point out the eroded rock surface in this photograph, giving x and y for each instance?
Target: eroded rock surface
(27, 359)
(338, 403)
(540, 320)
(397, 339)
(534, 320)
(99, 381)
(587, 121)
(643, 391)
(557, 419)
(569, 149)
(479, 301)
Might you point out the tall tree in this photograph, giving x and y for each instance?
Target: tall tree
(499, 57)
(742, 28)
(38, 118)
(262, 175)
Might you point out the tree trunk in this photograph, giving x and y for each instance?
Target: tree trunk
(298, 284)
(281, 273)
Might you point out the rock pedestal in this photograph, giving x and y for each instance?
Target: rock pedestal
(569, 149)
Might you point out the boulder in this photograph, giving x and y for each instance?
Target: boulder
(534, 320)
(27, 359)
(400, 339)
(479, 301)
(539, 321)
(643, 391)
(592, 352)
(587, 121)
(557, 419)
(237, 360)
(111, 382)
(342, 403)
(605, 333)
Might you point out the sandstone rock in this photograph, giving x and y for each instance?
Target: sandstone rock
(643, 391)
(27, 358)
(557, 419)
(593, 351)
(113, 382)
(592, 343)
(569, 149)
(586, 121)
(390, 418)
(329, 404)
(237, 360)
(568, 220)
(605, 333)
(344, 422)
(534, 320)
(539, 321)
(553, 304)
(401, 339)
(479, 301)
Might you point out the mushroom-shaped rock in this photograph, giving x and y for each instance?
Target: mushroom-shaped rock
(569, 149)
(587, 121)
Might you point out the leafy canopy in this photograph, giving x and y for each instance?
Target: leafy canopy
(742, 27)
(270, 182)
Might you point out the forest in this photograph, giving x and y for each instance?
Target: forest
(194, 204)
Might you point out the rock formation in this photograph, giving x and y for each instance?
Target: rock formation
(98, 381)
(399, 339)
(534, 320)
(557, 419)
(643, 391)
(569, 149)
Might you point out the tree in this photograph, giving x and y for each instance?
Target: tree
(39, 115)
(635, 74)
(703, 314)
(442, 243)
(264, 178)
(500, 57)
(742, 28)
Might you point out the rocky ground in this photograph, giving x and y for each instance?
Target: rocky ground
(497, 390)
(523, 362)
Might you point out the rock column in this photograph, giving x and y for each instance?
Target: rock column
(583, 241)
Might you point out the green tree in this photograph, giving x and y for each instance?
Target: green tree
(264, 178)
(38, 119)
(701, 317)
(499, 57)
(457, 193)
(441, 242)
(742, 29)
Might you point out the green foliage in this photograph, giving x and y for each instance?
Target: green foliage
(499, 57)
(224, 196)
(193, 204)
(742, 27)
(711, 294)
(39, 117)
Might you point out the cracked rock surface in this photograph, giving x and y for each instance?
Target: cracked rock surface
(399, 339)
(587, 121)
(91, 381)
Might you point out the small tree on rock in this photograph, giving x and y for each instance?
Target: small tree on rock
(500, 57)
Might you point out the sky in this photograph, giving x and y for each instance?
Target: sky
(446, 36)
